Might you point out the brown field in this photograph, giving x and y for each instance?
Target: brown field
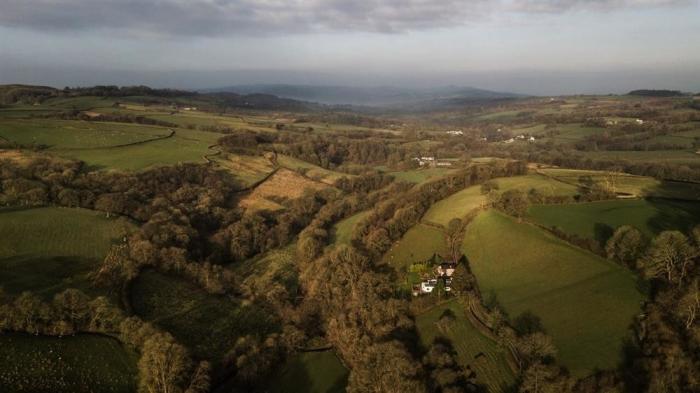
(16, 156)
(247, 169)
(285, 184)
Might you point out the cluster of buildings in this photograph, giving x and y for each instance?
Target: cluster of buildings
(454, 132)
(521, 137)
(443, 272)
(430, 161)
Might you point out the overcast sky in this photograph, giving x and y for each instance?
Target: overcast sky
(524, 46)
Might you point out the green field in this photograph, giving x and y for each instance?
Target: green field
(422, 175)
(661, 156)
(208, 325)
(455, 206)
(462, 202)
(47, 250)
(83, 363)
(418, 244)
(650, 216)
(628, 184)
(585, 303)
(184, 146)
(72, 134)
(101, 144)
(311, 372)
(476, 351)
(342, 231)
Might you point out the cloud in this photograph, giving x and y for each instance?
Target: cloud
(248, 17)
(559, 6)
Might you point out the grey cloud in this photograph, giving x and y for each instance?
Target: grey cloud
(558, 6)
(216, 17)
(221, 17)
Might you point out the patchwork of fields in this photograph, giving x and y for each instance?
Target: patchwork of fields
(585, 303)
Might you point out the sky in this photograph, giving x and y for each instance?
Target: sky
(540, 47)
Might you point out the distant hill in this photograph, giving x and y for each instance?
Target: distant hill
(367, 96)
(10, 94)
(656, 93)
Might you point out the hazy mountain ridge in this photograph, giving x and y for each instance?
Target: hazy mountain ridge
(366, 96)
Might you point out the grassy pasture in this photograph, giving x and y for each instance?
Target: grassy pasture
(208, 325)
(342, 231)
(247, 169)
(314, 172)
(311, 372)
(73, 134)
(668, 156)
(47, 250)
(82, 363)
(585, 303)
(184, 146)
(422, 175)
(629, 184)
(79, 103)
(475, 351)
(596, 220)
(418, 244)
(462, 202)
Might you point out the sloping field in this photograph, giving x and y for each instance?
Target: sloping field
(461, 203)
(343, 229)
(208, 325)
(105, 145)
(47, 250)
(75, 364)
(476, 352)
(284, 184)
(248, 169)
(585, 303)
(628, 184)
(312, 171)
(650, 216)
(73, 134)
(311, 372)
(455, 206)
(184, 146)
(422, 175)
(669, 156)
(418, 244)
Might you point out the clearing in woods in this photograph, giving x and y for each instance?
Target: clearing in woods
(284, 184)
(343, 229)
